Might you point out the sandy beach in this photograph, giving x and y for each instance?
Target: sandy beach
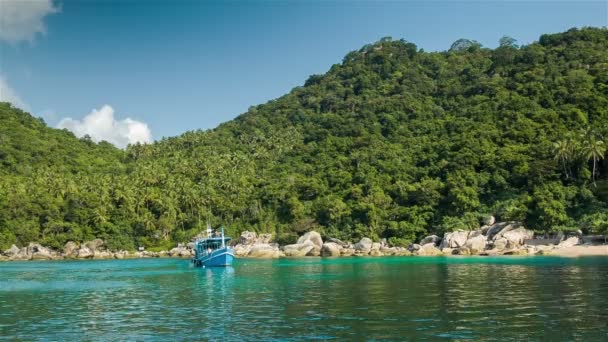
(582, 250)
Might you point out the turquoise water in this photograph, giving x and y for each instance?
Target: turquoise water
(409, 298)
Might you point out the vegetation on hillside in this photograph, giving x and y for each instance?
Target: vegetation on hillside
(393, 143)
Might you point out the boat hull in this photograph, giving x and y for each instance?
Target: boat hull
(218, 258)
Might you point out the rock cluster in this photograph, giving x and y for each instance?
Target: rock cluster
(249, 244)
(94, 249)
(502, 238)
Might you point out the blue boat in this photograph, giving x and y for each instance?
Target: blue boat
(212, 251)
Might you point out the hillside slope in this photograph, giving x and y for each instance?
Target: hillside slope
(393, 142)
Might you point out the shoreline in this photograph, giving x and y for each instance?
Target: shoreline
(576, 251)
(492, 239)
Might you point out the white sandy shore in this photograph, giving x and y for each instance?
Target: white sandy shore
(579, 251)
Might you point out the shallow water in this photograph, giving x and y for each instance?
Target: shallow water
(409, 298)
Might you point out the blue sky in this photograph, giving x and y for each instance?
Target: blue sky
(185, 64)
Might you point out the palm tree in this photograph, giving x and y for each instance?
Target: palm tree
(594, 149)
(563, 153)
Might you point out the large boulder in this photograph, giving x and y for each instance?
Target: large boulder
(298, 249)
(339, 242)
(516, 237)
(181, 251)
(312, 237)
(430, 239)
(455, 239)
(70, 249)
(264, 251)
(265, 239)
(331, 249)
(242, 250)
(84, 253)
(569, 242)
(94, 245)
(39, 252)
(347, 252)
(376, 252)
(428, 250)
(14, 250)
(476, 243)
(496, 231)
(489, 220)
(365, 244)
(248, 238)
(102, 255)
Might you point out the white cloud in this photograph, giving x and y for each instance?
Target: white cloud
(7, 94)
(23, 19)
(101, 125)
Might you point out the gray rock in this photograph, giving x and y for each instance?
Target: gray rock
(312, 237)
(331, 249)
(339, 242)
(14, 250)
(499, 229)
(298, 249)
(248, 238)
(489, 220)
(347, 252)
(102, 255)
(454, 239)
(376, 252)
(242, 250)
(265, 239)
(364, 244)
(569, 242)
(94, 245)
(414, 247)
(84, 253)
(315, 251)
(430, 239)
(70, 249)
(476, 242)
(428, 250)
(516, 237)
(264, 251)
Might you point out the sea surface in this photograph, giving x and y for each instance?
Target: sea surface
(393, 298)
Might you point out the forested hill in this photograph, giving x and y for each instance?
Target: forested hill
(393, 142)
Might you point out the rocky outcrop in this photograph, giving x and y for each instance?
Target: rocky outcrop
(254, 246)
(498, 238)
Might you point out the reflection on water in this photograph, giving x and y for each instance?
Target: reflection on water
(348, 298)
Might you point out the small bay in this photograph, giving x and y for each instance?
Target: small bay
(393, 298)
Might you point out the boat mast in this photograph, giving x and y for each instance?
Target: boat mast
(223, 244)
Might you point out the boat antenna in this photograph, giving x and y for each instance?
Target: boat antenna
(209, 230)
